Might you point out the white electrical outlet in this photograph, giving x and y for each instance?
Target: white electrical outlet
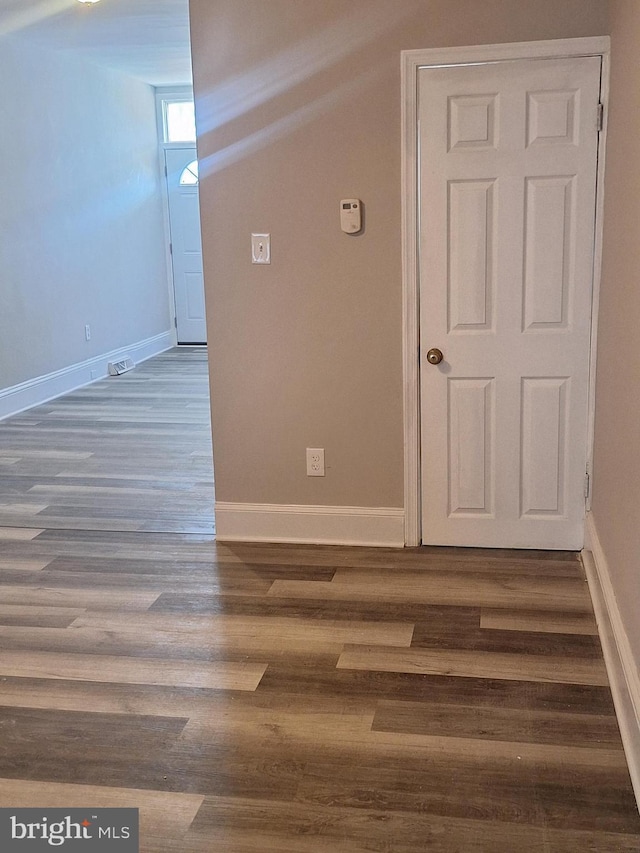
(87, 332)
(315, 461)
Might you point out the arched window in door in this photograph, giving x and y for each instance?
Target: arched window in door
(189, 176)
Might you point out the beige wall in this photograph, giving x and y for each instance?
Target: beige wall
(298, 106)
(616, 495)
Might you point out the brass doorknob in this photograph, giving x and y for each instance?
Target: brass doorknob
(434, 356)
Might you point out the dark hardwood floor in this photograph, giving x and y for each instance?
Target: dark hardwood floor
(299, 699)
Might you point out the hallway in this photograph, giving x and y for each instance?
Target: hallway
(131, 452)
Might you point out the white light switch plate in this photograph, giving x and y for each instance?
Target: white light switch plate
(261, 248)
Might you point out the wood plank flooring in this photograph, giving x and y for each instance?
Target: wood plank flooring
(240, 692)
(296, 699)
(131, 452)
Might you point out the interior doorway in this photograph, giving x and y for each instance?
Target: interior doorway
(505, 245)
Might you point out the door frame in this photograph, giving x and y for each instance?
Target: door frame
(412, 61)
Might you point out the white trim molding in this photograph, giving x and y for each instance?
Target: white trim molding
(39, 390)
(621, 665)
(412, 61)
(312, 525)
(410, 301)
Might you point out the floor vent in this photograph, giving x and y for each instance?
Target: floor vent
(115, 368)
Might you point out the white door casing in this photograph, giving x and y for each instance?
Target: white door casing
(184, 220)
(507, 179)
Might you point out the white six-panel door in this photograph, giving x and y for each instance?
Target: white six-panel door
(184, 218)
(507, 179)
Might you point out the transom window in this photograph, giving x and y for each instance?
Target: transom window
(179, 121)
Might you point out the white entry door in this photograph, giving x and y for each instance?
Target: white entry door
(508, 157)
(184, 216)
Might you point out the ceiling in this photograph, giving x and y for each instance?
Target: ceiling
(148, 39)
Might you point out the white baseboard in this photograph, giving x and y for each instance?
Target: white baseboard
(36, 391)
(313, 525)
(621, 665)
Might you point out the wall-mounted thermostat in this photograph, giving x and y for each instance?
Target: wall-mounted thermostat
(351, 215)
(261, 248)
